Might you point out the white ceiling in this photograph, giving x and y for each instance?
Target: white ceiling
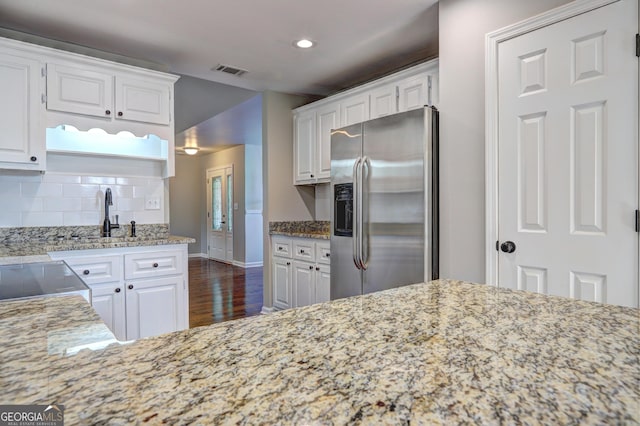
(357, 39)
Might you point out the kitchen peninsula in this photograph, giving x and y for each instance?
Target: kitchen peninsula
(444, 352)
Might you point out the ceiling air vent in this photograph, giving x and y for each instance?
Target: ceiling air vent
(230, 70)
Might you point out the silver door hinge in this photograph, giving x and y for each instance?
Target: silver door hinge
(43, 71)
(429, 100)
(637, 220)
(638, 45)
(43, 98)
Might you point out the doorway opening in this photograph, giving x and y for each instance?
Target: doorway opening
(220, 206)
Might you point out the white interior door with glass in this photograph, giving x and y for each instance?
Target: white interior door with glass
(567, 158)
(220, 214)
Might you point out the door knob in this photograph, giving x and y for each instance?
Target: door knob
(508, 247)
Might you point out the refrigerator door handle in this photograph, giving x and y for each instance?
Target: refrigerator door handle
(356, 212)
(365, 170)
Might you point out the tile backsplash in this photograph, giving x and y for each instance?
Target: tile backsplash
(56, 199)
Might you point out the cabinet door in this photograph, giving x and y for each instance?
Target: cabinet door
(108, 302)
(145, 101)
(79, 90)
(413, 93)
(323, 283)
(304, 285)
(23, 138)
(355, 109)
(281, 281)
(303, 147)
(384, 101)
(153, 306)
(328, 118)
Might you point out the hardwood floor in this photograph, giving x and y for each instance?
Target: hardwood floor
(220, 292)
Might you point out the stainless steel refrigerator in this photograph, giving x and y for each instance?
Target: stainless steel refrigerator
(384, 203)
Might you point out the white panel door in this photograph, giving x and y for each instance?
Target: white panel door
(568, 158)
(153, 306)
(81, 91)
(23, 138)
(145, 101)
(328, 118)
(220, 214)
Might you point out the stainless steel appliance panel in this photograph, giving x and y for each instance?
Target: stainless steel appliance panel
(346, 148)
(393, 239)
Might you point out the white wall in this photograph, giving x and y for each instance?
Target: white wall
(282, 200)
(58, 199)
(187, 200)
(463, 25)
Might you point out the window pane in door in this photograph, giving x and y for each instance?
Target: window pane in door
(230, 203)
(216, 203)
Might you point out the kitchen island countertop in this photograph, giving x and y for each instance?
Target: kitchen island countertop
(444, 352)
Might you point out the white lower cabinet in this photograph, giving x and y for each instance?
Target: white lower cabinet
(108, 301)
(281, 279)
(138, 292)
(301, 276)
(153, 306)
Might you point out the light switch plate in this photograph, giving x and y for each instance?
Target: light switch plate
(152, 203)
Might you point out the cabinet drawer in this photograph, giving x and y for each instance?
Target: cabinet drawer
(304, 250)
(153, 264)
(281, 247)
(323, 253)
(97, 269)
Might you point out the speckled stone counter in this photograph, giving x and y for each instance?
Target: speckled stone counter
(304, 229)
(445, 352)
(24, 245)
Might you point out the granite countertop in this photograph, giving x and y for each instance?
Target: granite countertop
(26, 245)
(444, 352)
(303, 229)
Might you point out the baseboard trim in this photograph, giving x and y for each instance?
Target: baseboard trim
(247, 265)
(203, 255)
(267, 310)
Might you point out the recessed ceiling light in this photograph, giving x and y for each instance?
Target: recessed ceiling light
(304, 43)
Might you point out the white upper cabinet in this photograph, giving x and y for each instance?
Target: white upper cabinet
(22, 144)
(355, 109)
(88, 91)
(80, 91)
(304, 145)
(413, 93)
(406, 90)
(45, 90)
(384, 101)
(328, 118)
(141, 100)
